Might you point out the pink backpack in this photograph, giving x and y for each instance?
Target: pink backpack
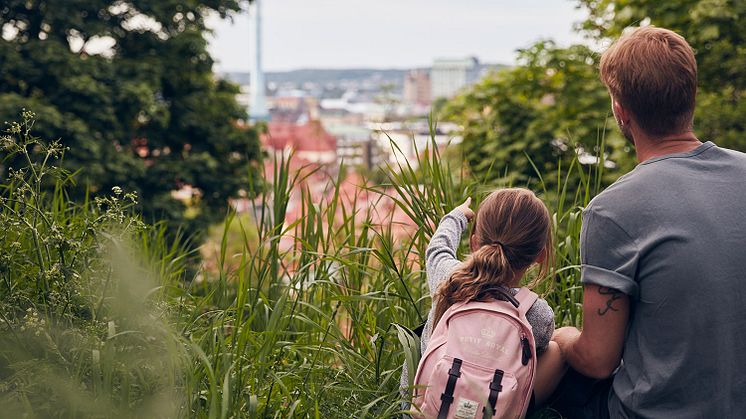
(480, 361)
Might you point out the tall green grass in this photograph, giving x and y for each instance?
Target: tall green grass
(328, 337)
(84, 328)
(315, 329)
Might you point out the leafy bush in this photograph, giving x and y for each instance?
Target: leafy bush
(538, 117)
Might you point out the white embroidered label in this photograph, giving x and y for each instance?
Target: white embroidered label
(466, 409)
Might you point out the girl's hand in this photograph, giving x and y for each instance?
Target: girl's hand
(464, 208)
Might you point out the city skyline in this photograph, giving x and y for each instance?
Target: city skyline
(390, 34)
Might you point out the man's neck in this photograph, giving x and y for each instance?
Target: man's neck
(649, 147)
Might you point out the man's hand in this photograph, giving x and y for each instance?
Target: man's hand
(565, 338)
(597, 350)
(464, 208)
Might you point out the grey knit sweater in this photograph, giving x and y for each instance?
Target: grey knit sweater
(440, 262)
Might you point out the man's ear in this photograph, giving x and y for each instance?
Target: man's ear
(621, 114)
(473, 243)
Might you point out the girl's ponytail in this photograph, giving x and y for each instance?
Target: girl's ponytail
(491, 261)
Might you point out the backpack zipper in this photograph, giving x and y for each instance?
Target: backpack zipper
(525, 358)
(526, 349)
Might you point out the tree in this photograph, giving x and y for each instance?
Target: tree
(548, 108)
(129, 88)
(715, 30)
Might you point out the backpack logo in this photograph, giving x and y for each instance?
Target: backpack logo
(466, 409)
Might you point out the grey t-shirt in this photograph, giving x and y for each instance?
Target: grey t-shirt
(671, 234)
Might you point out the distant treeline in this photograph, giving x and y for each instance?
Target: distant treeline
(335, 75)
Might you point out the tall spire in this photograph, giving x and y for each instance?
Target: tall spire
(258, 101)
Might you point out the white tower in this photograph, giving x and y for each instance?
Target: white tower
(258, 101)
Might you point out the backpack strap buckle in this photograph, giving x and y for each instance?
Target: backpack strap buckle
(495, 389)
(447, 397)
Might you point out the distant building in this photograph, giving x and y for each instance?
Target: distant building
(330, 117)
(310, 142)
(449, 76)
(356, 146)
(356, 102)
(375, 154)
(405, 140)
(351, 143)
(297, 108)
(417, 88)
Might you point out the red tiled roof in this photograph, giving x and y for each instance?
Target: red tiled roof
(308, 137)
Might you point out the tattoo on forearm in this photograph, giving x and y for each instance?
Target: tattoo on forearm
(613, 296)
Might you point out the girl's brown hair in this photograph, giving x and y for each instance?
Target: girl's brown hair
(511, 229)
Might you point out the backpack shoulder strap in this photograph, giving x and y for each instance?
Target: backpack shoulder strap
(526, 298)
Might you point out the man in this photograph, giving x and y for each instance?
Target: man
(663, 254)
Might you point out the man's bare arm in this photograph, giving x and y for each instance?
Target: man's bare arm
(597, 350)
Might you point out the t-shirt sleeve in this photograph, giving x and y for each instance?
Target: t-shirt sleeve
(608, 254)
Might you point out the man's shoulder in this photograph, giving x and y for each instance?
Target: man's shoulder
(730, 154)
(617, 195)
(641, 190)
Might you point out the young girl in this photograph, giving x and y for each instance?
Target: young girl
(512, 232)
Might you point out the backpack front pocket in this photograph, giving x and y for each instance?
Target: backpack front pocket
(471, 392)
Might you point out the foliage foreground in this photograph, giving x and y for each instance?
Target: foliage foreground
(101, 316)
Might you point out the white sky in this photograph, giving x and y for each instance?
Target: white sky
(391, 33)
